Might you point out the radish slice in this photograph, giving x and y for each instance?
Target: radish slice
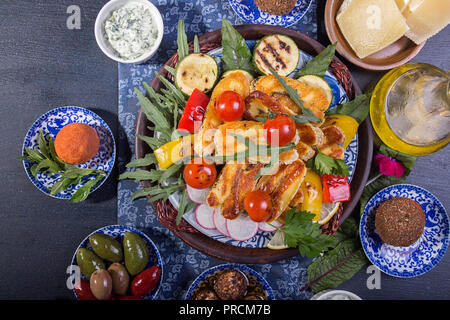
(197, 195)
(263, 226)
(242, 228)
(204, 216)
(220, 222)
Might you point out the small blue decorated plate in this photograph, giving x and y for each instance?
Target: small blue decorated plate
(118, 232)
(248, 11)
(53, 121)
(257, 284)
(421, 256)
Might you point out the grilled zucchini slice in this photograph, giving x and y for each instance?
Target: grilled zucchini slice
(277, 51)
(196, 71)
(318, 82)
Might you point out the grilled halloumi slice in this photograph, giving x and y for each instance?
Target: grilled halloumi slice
(313, 98)
(226, 143)
(287, 188)
(237, 81)
(331, 144)
(234, 183)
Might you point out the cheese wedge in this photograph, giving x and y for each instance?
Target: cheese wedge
(425, 18)
(371, 25)
(402, 4)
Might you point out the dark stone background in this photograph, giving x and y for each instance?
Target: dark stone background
(43, 65)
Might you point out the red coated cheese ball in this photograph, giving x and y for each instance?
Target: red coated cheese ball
(77, 143)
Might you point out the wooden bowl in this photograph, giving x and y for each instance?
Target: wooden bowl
(398, 53)
(243, 255)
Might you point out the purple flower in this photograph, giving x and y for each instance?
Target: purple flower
(389, 166)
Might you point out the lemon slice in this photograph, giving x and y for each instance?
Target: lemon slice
(277, 241)
(327, 212)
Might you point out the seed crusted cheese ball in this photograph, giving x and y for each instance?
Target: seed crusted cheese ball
(399, 221)
(276, 7)
(231, 285)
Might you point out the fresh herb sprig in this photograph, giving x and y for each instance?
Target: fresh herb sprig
(46, 160)
(235, 53)
(320, 64)
(357, 108)
(163, 110)
(323, 164)
(301, 232)
(307, 115)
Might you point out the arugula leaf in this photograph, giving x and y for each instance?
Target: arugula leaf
(147, 160)
(196, 45)
(84, 191)
(336, 266)
(235, 53)
(307, 115)
(140, 174)
(357, 108)
(320, 64)
(300, 231)
(43, 145)
(62, 184)
(158, 192)
(182, 43)
(323, 164)
(185, 206)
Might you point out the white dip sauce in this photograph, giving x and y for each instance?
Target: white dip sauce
(131, 30)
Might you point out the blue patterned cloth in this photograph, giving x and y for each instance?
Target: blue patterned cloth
(182, 264)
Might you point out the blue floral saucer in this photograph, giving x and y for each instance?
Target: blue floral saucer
(250, 273)
(53, 121)
(421, 256)
(250, 13)
(118, 232)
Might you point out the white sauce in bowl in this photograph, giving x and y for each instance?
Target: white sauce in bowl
(131, 30)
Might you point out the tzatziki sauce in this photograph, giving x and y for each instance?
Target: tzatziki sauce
(131, 30)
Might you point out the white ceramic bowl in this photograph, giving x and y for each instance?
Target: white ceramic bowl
(328, 295)
(105, 13)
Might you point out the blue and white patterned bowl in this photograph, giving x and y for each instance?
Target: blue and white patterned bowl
(246, 270)
(248, 11)
(118, 232)
(53, 121)
(261, 239)
(425, 253)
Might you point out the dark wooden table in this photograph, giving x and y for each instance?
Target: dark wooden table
(44, 65)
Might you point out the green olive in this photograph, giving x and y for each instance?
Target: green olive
(106, 247)
(135, 252)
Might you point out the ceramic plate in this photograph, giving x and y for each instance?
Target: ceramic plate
(250, 273)
(421, 256)
(117, 232)
(250, 13)
(53, 121)
(261, 239)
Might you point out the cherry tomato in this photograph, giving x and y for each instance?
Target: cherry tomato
(280, 131)
(229, 106)
(199, 174)
(83, 290)
(258, 205)
(145, 281)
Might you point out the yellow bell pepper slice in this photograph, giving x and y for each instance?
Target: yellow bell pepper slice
(174, 151)
(312, 194)
(346, 123)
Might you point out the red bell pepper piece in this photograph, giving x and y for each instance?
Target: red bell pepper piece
(145, 281)
(83, 290)
(194, 112)
(335, 188)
